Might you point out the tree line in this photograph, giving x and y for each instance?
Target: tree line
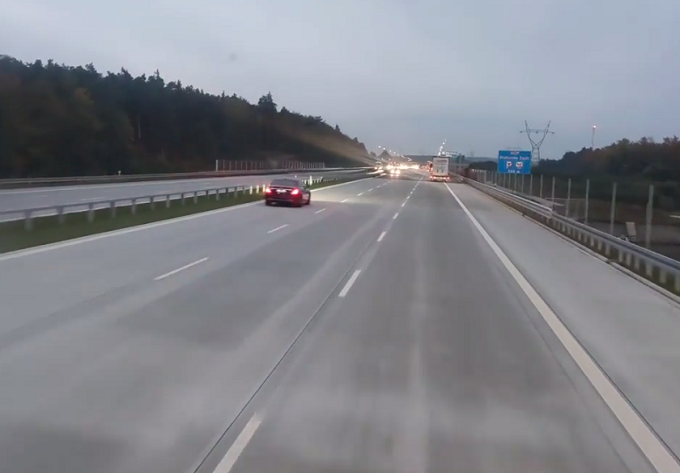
(634, 165)
(57, 120)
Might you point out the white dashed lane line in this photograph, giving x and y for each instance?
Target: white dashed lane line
(320, 210)
(349, 284)
(277, 228)
(382, 235)
(175, 271)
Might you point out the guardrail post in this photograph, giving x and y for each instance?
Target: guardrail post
(648, 217)
(251, 190)
(217, 194)
(28, 220)
(540, 192)
(133, 207)
(152, 203)
(182, 198)
(113, 208)
(61, 217)
(90, 213)
(612, 210)
(167, 201)
(195, 197)
(585, 219)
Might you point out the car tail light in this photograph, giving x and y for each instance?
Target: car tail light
(268, 190)
(295, 192)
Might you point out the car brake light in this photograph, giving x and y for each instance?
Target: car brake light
(295, 192)
(268, 190)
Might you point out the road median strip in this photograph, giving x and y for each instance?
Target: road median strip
(14, 235)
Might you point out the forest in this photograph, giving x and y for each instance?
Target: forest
(58, 120)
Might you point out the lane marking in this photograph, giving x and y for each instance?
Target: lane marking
(349, 284)
(382, 235)
(277, 228)
(408, 197)
(395, 216)
(239, 445)
(319, 211)
(343, 201)
(403, 204)
(641, 433)
(369, 190)
(360, 194)
(175, 271)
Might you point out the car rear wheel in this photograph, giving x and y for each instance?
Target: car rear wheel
(309, 199)
(266, 202)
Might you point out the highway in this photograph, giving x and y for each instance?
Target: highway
(20, 199)
(388, 327)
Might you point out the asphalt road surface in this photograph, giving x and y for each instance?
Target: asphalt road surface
(20, 199)
(373, 331)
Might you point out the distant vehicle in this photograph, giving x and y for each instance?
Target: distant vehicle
(287, 191)
(440, 169)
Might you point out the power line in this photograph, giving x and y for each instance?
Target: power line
(536, 145)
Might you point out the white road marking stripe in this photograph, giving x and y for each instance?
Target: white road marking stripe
(403, 204)
(163, 276)
(382, 235)
(343, 201)
(319, 211)
(652, 447)
(395, 216)
(360, 194)
(369, 190)
(242, 441)
(277, 228)
(408, 197)
(348, 286)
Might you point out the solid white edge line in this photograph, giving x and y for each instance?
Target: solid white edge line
(239, 445)
(320, 210)
(278, 228)
(395, 216)
(175, 271)
(651, 446)
(349, 284)
(382, 235)
(138, 228)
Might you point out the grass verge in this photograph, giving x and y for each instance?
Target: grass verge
(14, 235)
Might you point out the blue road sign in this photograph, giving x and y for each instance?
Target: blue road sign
(514, 162)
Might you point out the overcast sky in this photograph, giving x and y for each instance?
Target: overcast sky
(404, 74)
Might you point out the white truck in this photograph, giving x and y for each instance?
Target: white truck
(440, 169)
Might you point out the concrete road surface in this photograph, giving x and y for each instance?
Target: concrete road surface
(19, 199)
(373, 331)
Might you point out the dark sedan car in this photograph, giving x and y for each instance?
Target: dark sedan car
(287, 191)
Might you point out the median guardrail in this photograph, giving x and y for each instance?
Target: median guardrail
(655, 267)
(29, 214)
(81, 180)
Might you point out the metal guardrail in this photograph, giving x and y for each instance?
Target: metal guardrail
(28, 215)
(656, 267)
(76, 180)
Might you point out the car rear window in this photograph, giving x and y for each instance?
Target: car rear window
(285, 182)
